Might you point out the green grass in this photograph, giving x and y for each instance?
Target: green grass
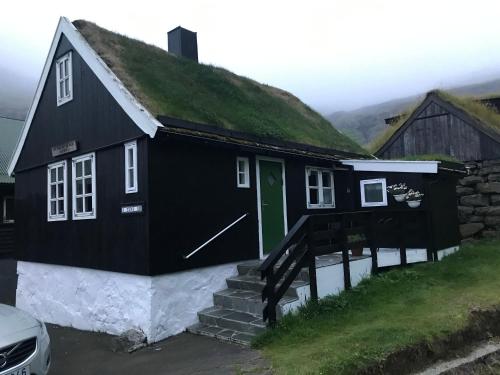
(178, 87)
(402, 307)
(431, 157)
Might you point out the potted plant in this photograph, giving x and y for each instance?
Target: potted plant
(398, 191)
(356, 243)
(413, 198)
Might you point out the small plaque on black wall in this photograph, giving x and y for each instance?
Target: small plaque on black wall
(64, 148)
(132, 209)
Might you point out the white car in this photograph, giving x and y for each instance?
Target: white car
(24, 343)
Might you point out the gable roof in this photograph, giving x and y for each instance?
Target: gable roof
(474, 111)
(181, 88)
(136, 111)
(10, 129)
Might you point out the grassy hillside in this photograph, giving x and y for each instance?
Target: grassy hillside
(177, 87)
(365, 124)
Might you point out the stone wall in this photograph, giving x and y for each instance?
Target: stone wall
(479, 200)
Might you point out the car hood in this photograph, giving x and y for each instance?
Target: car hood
(16, 325)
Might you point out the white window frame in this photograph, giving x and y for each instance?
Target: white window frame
(68, 96)
(93, 213)
(134, 187)
(245, 172)
(362, 184)
(4, 211)
(320, 203)
(64, 215)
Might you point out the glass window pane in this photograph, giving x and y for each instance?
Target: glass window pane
(65, 67)
(61, 72)
(241, 166)
(60, 205)
(53, 210)
(60, 190)
(61, 88)
(52, 191)
(327, 182)
(313, 178)
(327, 196)
(79, 169)
(130, 178)
(87, 167)
(88, 185)
(79, 204)
(60, 174)
(88, 204)
(130, 153)
(313, 196)
(241, 178)
(66, 87)
(79, 187)
(53, 175)
(9, 209)
(373, 193)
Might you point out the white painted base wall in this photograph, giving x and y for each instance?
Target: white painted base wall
(112, 302)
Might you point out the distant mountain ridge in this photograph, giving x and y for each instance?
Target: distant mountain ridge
(366, 123)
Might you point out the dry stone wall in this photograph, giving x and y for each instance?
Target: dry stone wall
(479, 200)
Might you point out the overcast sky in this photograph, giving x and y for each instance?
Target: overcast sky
(332, 54)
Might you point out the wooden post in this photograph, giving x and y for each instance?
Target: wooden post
(347, 271)
(402, 235)
(271, 301)
(313, 285)
(371, 241)
(373, 252)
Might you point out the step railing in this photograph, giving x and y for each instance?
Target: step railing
(316, 235)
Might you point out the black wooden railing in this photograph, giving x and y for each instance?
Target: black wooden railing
(315, 235)
(6, 239)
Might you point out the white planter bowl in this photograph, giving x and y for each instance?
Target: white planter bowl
(413, 204)
(399, 197)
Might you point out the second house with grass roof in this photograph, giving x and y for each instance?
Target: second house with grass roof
(143, 178)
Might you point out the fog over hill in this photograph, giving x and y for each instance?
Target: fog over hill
(364, 124)
(16, 92)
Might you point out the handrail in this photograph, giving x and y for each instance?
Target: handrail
(214, 237)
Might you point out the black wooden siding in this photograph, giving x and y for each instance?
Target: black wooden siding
(94, 119)
(437, 130)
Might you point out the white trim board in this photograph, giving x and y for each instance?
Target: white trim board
(138, 113)
(259, 212)
(393, 166)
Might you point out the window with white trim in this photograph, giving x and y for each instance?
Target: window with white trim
(131, 167)
(57, 204)
(8, 210)
(84, 181)
(373, 192)
(243, 172)
(64, 77)
(320, 190)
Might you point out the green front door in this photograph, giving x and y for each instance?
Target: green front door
(271, 204)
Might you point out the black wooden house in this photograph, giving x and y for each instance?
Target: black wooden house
(143, 178)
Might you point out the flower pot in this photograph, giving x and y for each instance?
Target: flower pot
(413, 204)
(357, 251)
(399, 197)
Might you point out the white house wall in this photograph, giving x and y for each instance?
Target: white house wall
(111, 302)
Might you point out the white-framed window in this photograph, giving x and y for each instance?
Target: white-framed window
(57, 202)
(320, 191)
(84, 181)
(8, 210)
(64, 77)
(131, 185)
(373, 192)
(242, 172)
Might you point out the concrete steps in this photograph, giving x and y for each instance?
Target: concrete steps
(237, 312)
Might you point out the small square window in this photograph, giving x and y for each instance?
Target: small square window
(242, 172)
(84, 181)
(373, 192)
(320, 192)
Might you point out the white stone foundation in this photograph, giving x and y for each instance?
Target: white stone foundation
(112, 302)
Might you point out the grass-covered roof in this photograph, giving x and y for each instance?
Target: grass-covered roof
(181, 88)
(10, 129)
(487, 115)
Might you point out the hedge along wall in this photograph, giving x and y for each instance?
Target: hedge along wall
(479, 200)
